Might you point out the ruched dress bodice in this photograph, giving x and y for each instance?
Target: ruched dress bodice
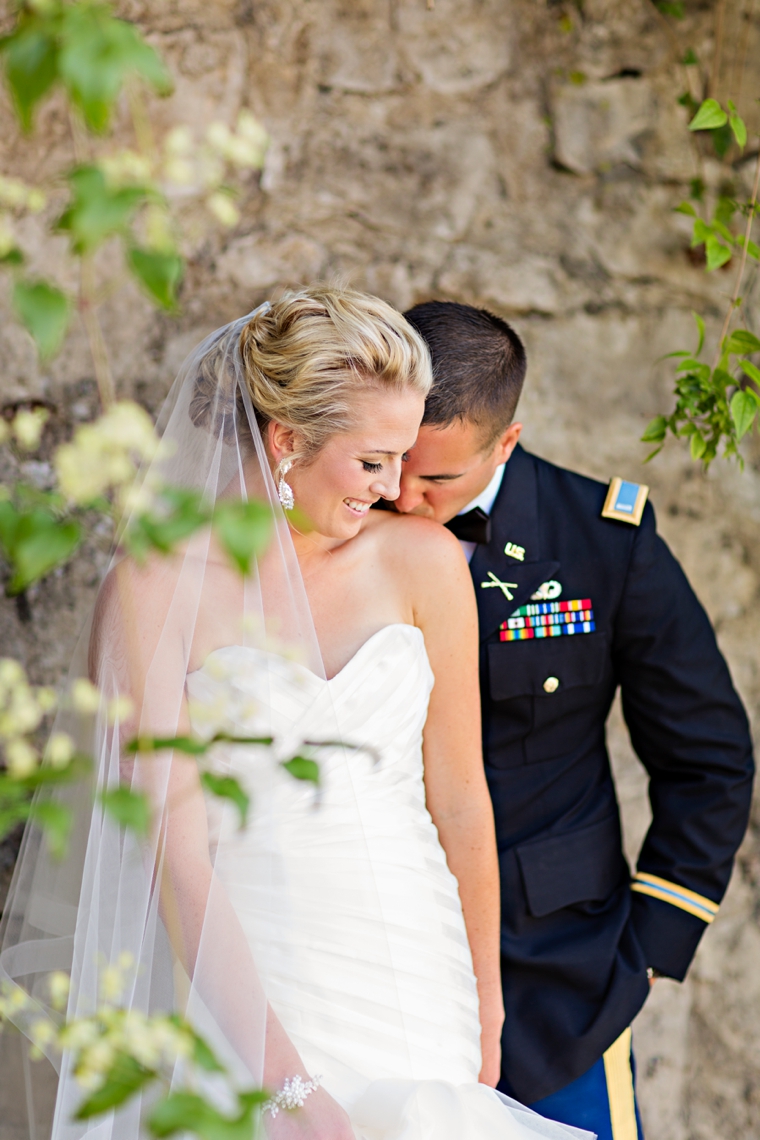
(343, 892)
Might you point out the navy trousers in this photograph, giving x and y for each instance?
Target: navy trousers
(603, 1100)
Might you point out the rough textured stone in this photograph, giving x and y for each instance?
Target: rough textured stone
(482, 152)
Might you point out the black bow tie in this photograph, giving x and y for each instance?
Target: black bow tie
(474, 526)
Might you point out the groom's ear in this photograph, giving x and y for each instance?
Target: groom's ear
(507, 443)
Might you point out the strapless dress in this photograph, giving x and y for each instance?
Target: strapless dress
(344, 894)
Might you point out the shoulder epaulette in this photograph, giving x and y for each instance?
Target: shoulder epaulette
(625, 501)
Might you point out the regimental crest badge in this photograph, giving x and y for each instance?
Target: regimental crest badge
(625, 501)
(547, 591)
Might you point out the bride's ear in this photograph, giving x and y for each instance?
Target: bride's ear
(281, 441)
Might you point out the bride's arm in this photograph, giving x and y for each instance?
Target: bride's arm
(456, 789)
(137, 630)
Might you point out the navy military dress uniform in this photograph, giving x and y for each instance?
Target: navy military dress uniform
(571, 606)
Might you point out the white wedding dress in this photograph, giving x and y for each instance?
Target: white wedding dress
(357, 933)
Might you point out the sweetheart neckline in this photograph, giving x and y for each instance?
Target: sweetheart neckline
(305, 668)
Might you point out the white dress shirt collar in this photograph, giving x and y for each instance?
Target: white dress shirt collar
(485, 500)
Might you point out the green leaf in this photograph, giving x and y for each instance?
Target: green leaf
(56, 820)
(656, 430)
(716, 253)
(127, 808)
(159, 273)
(180, 515)
(34, 542)
(204, 1056)
(302, 768)
(725, 210)
(97, 210)
(243, 530)
(709, 116)
(696, 189)
(672, 8)
(752, 249)
(721, 139)
(31, 65)
(687, 100)
(228, 788)
(697, 446)
(125, 1077)
(98, 54)
(188, 1112)
(12, 257)
(722, 380)
(690, 58)
(751, 370)
(743, 411)
(701, 233)
(44, 312)
(723, 231)
(686, 208)
(701, 330)
(742, 342)
(737, 125)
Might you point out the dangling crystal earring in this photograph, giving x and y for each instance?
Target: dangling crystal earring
(284, 490)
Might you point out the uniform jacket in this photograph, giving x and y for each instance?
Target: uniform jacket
(578, 931)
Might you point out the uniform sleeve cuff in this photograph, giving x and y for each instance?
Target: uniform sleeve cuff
(668, 935)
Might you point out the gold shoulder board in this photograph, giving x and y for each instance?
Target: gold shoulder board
(625, 501)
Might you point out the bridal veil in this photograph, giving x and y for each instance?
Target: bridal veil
(114, 898)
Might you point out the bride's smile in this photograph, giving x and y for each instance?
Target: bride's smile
(355, 468)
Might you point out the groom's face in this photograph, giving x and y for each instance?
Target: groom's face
(447, 468)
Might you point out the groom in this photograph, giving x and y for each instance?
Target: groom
(577, 596)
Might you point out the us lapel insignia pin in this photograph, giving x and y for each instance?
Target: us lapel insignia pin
(497, 584)
(625, 501)
(547, 591)
(512, 550)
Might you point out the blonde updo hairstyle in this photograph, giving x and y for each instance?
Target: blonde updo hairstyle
(307, 355)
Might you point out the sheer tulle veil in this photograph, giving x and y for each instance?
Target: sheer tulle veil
(113, 897)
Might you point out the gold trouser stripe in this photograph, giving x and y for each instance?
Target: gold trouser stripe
(617, 1069)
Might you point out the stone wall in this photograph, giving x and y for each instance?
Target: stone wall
(513, 153)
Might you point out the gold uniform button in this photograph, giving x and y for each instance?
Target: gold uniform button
(551, 684)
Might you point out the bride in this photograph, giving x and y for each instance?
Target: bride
(342, 949)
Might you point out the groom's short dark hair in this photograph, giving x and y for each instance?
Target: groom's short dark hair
(479, 366)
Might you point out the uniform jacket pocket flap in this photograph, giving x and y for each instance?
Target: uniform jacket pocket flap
(579, 866)
(520, 668)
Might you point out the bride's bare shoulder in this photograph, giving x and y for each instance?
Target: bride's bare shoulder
(414, 542)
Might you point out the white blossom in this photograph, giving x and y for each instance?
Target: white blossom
(105, 455)
(179, 141)
(42, 1031)
(85, 697)
(126, 168)
(120, 709)
(27, 427)
(79, 1035)
(21, 706)
(59, 984)
(223, 208)
(7, 243)
(21, 758)
(60, 749)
